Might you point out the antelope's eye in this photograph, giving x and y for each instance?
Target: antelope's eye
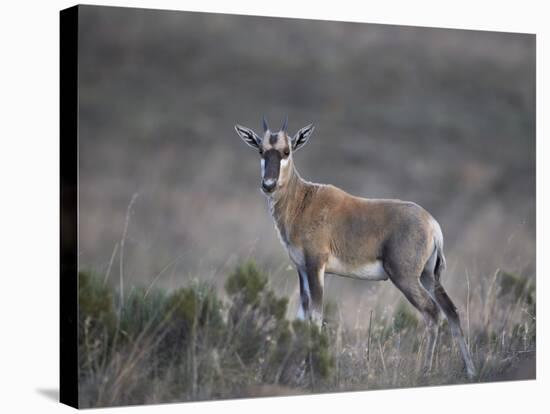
(261, 151)
(286, 152)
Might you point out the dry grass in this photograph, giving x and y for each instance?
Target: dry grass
(197, 343)
(501, 337)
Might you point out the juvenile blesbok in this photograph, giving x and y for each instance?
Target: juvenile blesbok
(327, 230)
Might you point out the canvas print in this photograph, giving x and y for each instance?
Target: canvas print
(279, 206)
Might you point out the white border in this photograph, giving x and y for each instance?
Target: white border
(30, 193)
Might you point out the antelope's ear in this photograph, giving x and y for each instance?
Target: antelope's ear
(248, 136)
(302, 137)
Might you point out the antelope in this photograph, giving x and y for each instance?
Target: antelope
(328, 231)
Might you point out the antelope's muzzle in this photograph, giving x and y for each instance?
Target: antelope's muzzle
(272, 166)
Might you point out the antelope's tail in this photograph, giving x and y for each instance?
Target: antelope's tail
(440, 263)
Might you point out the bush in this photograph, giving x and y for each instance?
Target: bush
(97, 319)
(141, 310)
(246, 284)
(95, 302)
(193, 344)
(517, 287)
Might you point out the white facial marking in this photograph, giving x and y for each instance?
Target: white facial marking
(269, 181)
(262, 166)
(284, 162)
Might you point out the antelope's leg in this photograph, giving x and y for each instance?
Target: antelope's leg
(449, 309)
(420, 298)
(315, 271)
(303, 310)
(444, 302)
(427, 280)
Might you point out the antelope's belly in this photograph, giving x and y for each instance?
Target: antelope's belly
(365, 271)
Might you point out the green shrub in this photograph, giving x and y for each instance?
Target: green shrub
(256, 315)
(193, 342)
(311, 356)
(196, 308)
(246, 281)
(95, 305)
(142, 310)
(519, 287)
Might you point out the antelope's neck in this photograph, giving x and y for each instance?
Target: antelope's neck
(289, 202)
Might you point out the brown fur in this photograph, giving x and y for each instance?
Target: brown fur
(327, 220)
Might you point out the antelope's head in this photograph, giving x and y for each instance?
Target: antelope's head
(276, 149)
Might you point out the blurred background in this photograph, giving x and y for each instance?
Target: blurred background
(444, 118)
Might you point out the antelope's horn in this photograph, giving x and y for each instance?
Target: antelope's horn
(285, 124)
